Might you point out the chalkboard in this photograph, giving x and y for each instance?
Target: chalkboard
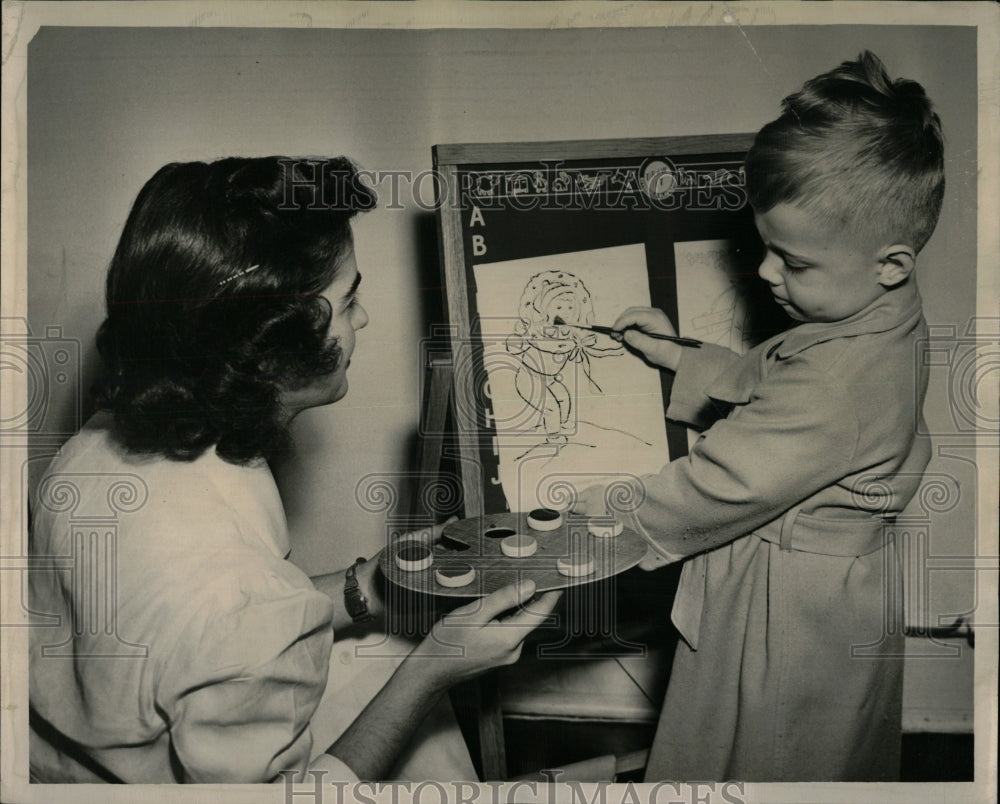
(581, 229)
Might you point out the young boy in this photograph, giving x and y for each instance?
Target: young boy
(790, 668)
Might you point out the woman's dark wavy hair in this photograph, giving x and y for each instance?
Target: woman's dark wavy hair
(213, 305)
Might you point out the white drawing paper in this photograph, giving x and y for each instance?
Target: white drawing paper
(570, 406)
(709, 304)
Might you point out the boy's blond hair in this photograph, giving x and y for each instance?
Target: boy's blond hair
(856, 148)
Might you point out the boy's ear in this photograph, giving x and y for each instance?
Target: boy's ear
(896, 263)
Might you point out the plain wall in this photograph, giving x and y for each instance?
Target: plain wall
(107, 107)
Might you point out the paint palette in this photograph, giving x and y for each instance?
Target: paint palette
(477, 556)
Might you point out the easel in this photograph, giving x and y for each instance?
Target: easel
(549, 198)
(481, 696)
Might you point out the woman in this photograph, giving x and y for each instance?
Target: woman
(231, 307)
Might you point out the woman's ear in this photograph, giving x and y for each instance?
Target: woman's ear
(896, 263)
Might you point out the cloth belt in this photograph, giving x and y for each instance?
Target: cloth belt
(794, 531)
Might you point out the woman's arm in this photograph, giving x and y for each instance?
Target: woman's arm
(462, 645)
(332, 584)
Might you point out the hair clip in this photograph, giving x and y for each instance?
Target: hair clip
(238, 274)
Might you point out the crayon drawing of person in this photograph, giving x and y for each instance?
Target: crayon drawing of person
(549, 351)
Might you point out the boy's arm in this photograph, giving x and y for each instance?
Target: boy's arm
(695, 367)
(696, 370)
(795, 437)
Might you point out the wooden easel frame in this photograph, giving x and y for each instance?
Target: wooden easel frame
(448, 388)
(480, 696)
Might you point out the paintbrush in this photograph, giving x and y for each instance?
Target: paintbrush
(609, 331)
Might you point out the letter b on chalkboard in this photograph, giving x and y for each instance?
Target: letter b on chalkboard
(478, 245)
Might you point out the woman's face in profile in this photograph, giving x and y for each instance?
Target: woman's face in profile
(347, 317)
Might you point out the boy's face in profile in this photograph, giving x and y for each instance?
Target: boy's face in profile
(815, 271)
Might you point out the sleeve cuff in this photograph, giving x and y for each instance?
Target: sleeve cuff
(631, 520)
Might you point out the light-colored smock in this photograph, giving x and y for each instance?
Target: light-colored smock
(171, 640)
(790, 668)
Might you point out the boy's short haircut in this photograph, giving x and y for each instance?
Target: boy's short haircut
(855, 147)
